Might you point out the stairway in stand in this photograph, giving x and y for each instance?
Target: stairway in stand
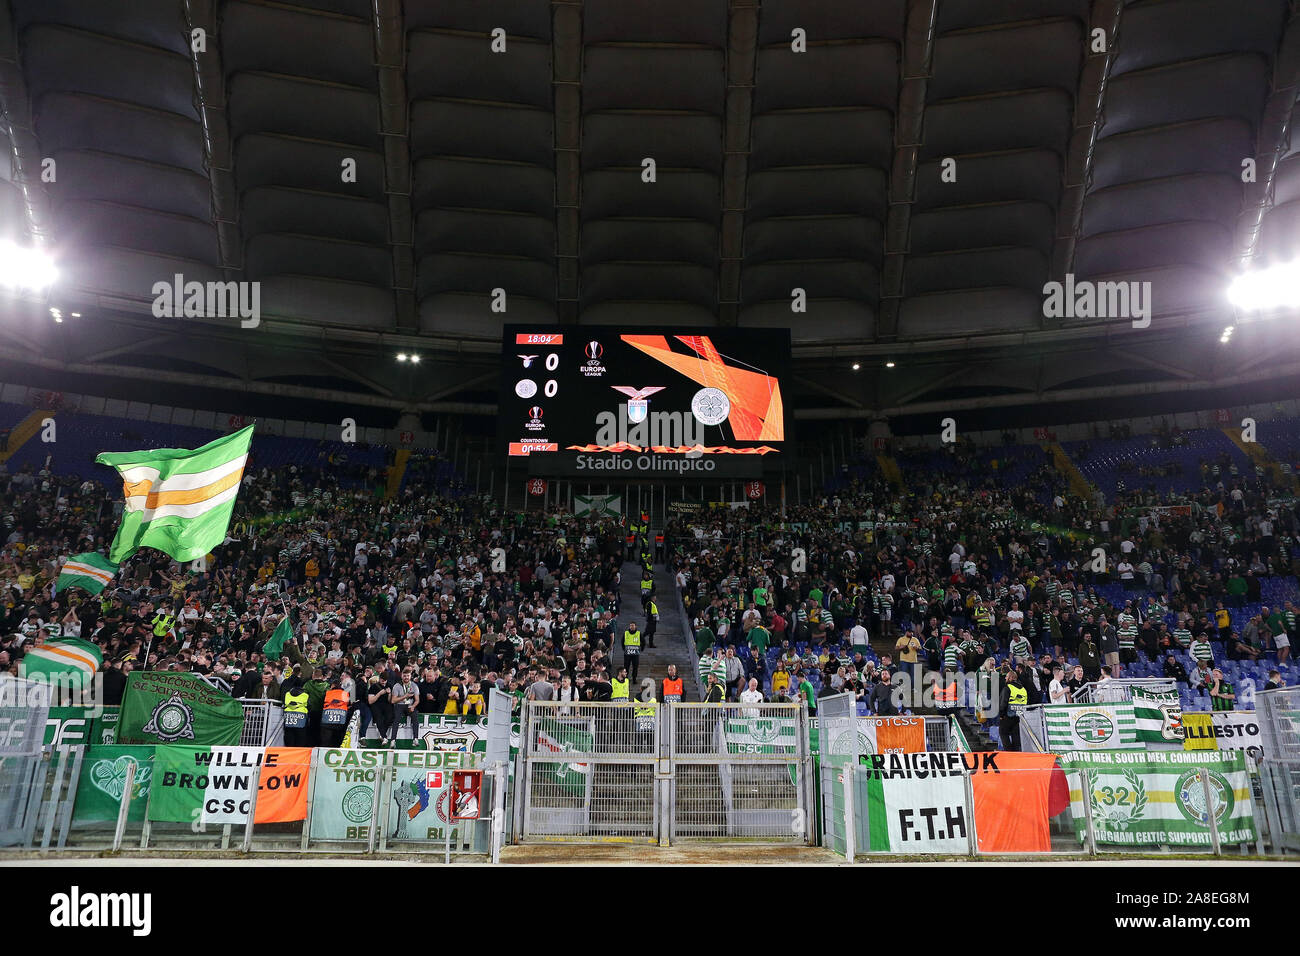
(672, 646)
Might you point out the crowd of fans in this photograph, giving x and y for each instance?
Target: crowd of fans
(425, 602)
(962, 574)
(405, 603)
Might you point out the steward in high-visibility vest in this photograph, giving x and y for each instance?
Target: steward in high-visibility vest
(620, 686)
(162, 623)
(983, 619)
(295, 717)
(632, 650)
(672, 687)
(1014, 699)
(1017, 699)
(643, 715)
(334, 712)
(946, 695)
(388, 649)
(651, 622)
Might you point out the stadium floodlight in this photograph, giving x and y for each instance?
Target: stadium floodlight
(889, 364)
(25, 268)
(1227, 334)
(415, 358)
(1271, 288)
(401, 356)
(856, 366)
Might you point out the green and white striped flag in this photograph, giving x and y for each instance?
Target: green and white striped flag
(1106, 726)
(91, 572)
(178, 501)
(67, 659)
(762, 735)
(1158, 715)
(1159, 797)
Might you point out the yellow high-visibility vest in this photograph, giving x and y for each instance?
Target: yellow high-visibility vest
(631, 638)
(620, 691)
(295, 703)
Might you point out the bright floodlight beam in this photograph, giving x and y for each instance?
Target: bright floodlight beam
(24, 268)
(1273, 288)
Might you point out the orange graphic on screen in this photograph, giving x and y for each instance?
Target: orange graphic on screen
(757, 412)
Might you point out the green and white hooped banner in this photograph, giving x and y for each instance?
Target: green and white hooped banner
(1107, 726)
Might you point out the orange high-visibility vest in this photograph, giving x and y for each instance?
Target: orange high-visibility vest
(672, 689)
(336, 700)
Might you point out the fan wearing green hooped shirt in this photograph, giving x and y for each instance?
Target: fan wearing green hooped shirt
(951, 650)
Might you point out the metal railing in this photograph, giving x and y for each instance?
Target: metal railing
(1279, 721)
(1119, 691)
(263, 723)
(663, 772)
(102, 797)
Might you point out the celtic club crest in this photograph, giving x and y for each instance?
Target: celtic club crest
(171, 720)
(357, 803)
(1189, 793)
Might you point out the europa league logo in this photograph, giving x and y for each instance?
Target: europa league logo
(594, 351)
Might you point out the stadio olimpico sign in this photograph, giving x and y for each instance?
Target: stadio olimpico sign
(599, 466)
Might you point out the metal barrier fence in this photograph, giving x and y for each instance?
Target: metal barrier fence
(354, 801)
(1119, 691)
(24, 708)
(1280, 789)
(588, 771)
(938, 733)
(662, 772)
(1279, 721)
(263, 723)
(739, 772)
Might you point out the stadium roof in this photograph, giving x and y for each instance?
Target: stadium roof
(1116, 159)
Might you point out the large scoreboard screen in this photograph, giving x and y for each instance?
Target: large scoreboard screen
(605, 401)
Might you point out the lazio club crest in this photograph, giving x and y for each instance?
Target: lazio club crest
(171, 720)
(637, 400)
